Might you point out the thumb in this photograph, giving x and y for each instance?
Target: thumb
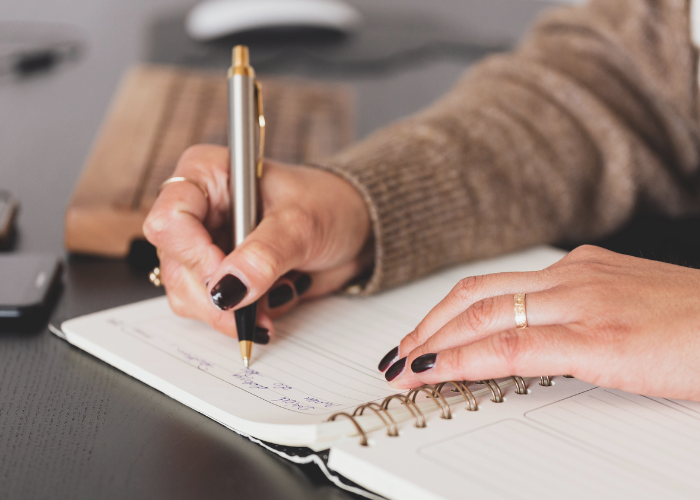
(280, 243)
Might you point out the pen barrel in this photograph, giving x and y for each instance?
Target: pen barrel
(242, 143)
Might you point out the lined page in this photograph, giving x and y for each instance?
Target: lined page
(638, 432)
(516, 460)
(322, 360)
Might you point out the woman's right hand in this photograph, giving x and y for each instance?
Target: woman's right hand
(310, 240)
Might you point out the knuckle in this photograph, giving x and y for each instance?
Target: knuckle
(413, 338)
(479, 315)
(507, 346)
(582, 250)
(156, 225)
(409, 342)
(465, 289)
(300, 224)
(612, 334)
(586, 252)
(586, 267)
(421, 332)
(266, 259)
(196, 153)
(195, 258)
(204, 163)
(454, 361)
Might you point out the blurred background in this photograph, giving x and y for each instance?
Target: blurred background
(404, 54)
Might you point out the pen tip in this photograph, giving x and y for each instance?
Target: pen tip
(246, 351)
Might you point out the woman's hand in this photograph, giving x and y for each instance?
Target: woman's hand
(309, 242)
(605, 318)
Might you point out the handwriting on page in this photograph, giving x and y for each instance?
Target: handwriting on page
(308, 369)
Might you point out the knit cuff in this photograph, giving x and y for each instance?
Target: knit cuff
(413, 195)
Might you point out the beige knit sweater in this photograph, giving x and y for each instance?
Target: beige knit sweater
(592, 119)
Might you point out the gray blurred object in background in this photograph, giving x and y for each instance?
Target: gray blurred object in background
(62, 110)
(380, 39)
(212, 19)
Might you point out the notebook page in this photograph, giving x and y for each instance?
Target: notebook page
(289, 383)
(322, 360)
(643, 432)
(570, 441)
(691, 407)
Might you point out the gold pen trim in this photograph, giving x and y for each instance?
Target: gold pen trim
(240, 62)
(240, 65)
(261, 122)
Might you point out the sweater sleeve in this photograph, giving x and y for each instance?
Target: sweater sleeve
(591, 119)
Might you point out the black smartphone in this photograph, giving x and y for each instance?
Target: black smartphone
(29, 283)
(8, 211)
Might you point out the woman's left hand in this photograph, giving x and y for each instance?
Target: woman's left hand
(608, 319)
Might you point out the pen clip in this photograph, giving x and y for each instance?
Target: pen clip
(261, 122)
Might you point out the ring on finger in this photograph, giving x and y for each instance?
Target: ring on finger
(520, 310)
(173, 180)
(154, 277)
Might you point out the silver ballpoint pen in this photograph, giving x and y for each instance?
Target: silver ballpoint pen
(245, 115)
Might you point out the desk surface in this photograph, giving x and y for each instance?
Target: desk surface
(71, 426)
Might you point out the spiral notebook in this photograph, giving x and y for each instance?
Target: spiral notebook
(550, 437)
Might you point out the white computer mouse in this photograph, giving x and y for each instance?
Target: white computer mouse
(213, 19)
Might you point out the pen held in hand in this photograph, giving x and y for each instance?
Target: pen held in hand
(245, 112)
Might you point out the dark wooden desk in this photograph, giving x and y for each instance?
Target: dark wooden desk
(71, 426)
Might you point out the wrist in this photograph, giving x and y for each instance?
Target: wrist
(346, 215)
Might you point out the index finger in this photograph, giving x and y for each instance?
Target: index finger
(468, 292)
(176, 223)
(528, 352)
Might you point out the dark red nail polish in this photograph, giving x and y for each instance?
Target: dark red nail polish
(280, 296)
(388, 359)
(228, 292)
(302, 284)
(423, 363)
(395, 370)
(261, 335)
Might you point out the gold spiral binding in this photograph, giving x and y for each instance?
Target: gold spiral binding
(520, 387)
(439, 400)
(392, 429)
(418, 416)
(495, 390)
(435, 393)
(462, 388)
(363, 436)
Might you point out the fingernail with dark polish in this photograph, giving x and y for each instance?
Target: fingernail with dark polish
(228, 292)
(423, 363)
(280, 296)
(261, 335)
(395, 370)
(302, 284)
(388, 359)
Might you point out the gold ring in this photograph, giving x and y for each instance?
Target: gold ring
(154, 277)
(172, 180)
(520, 311)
